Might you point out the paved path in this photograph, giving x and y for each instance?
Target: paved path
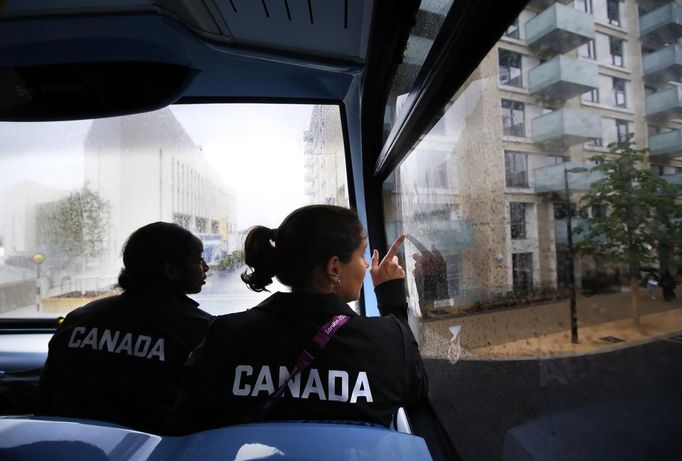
(543, 330)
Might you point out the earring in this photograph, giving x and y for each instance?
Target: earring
(336, 284)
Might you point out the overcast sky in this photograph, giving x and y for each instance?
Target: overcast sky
(256, 149)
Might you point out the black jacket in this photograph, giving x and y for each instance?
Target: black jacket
(120, 359)
(370, 367)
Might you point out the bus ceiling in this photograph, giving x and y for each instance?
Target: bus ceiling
(78, 59)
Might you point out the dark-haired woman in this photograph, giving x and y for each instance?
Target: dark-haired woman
(119, 359)
(307, 354)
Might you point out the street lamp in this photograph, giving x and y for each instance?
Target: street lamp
(38, 259)
(569, 234)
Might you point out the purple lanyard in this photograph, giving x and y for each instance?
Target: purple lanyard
(303, 361)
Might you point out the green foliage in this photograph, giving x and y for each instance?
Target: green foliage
(79, 222)
(231, 261)
(642, 212)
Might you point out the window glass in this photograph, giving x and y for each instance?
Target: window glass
(429, 20)
(616, 49)
(619, 98)
(74, 191)
(513, 118)
(613, 11)
(588, 50)
(584, 5)
(510, 68)
(499, 219)
(513, 30)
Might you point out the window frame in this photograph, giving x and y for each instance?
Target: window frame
(511, 173)
(507, 69)
(517, 220)
(516, 110)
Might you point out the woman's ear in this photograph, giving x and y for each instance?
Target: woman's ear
(333, 267)
(170, 270)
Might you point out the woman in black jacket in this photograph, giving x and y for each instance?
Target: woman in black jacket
(306, 354)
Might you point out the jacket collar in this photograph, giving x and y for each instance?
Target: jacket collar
(303, 304)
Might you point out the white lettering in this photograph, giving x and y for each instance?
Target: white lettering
(294, 385)
(90, 339)
(108, 340)
(263, 382)
(236, 386)
(335, 396)
(361, 389)
(126, 344)
(76, 331)
(142, 346)
(158, 350)
(313, 386)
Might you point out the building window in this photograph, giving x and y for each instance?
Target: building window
(653, 130)
(182, 219)
(591, 96)
(596, 142)
(599, 211)
(616, 49)
(619, 92)
(516, 169)
(622, 131)
(522, 271)
(215, 226)
(510, 68)
(613, 12)
(513, 118)
(556, 159)
(513, 30)
(584, 5)
(517, 215)
(201, 225)
(588, 50)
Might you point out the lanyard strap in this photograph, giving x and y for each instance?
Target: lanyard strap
(303, 361)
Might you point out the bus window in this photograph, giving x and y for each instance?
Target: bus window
(73, 191)
(526, 205)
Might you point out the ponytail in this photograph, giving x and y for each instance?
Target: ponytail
(260, 254)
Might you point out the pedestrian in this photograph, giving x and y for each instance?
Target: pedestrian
(306, 354)
(668, 285)
(652, 283)
(119, 359)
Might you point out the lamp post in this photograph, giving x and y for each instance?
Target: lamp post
(569, 234)
(38, 259)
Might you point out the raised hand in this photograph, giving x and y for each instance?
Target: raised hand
(388, 268)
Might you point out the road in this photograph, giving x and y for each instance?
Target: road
(624, 404)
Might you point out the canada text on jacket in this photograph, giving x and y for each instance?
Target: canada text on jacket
(118, 342)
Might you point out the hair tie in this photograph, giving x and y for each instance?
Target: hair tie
(273, 237)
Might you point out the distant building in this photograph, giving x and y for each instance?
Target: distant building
(325, 158)
(148, 169)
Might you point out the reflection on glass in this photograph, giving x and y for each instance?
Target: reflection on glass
(74, 191)
(485, 197)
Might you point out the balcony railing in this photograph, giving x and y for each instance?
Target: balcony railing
(665, 103)
(661, 26)
(565, 127)
(663, 65)
(545, 3)
(550, 179)
(559, 29)
(562, 78)
(666, 145)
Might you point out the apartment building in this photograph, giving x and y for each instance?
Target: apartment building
(567, 79)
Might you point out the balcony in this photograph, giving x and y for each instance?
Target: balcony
(650, 5)
(550, 179)
(541, 4)
(673, 178)
(559, 29)
(663, 65)
(565, 127)
(665, 103)
(445, 235)
(666, 145)
(563, 78)
(661, 26)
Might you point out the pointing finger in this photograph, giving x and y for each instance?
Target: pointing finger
(375, 259)
(394, 248)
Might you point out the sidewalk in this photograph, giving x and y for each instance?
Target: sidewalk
(544, 330)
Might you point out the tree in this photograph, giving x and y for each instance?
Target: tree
(80, 223)
(641, 216)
